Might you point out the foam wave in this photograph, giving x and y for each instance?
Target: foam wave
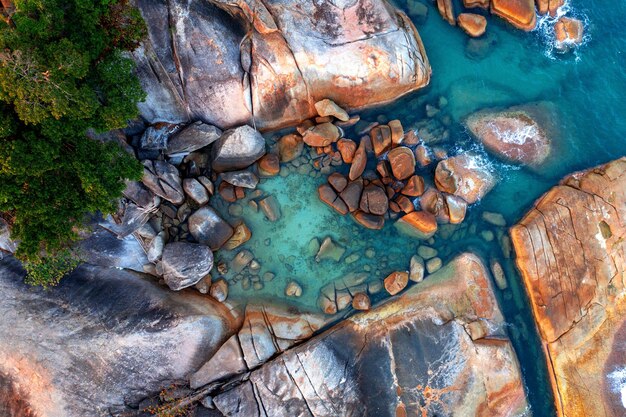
(545, 29)
(618, 383)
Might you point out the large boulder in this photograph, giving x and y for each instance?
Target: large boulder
(193, 137)
(237, 148)
(438, 349)
(519, 135)
(466, 176)
(163, 179)
(184, 264)
(207, 227)
(519, 13)
(268, 63)
(100, 341)
(571, 254)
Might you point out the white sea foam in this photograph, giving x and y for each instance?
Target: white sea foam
(617, 379)
(515, 136)
(545, 28)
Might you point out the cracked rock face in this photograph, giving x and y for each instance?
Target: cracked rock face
(570, 251)
(100, 341)
(228, 62)
(438, 349)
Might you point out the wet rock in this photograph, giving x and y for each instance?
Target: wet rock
(184, 264)
(163, 180)
(465, 176)
(193, 137)
(208, 228)
(328, 196)
(519, 134)
(369, 221)
(134, 343)
(241, 235)
(381, 139)
(419, 224)
(321, 135)
(227, 192)
(374, 200)
(347, 149)
(476, 3)
(474, 25)
(568, 32)
(244, 179)
(397, 132)
(242, 260)
(519, 13)
(351, 195)
(290, 147)
(416, 271)
(414, 186)
(361, 301)
(338, 181)
(237, 148)
(446, 10)
(423, 156)
(405, 204)
(219, 290)
(208, 184)
(457, 208)
(270, 208)
(330, 250)
(293, 289)
(570, 251)
(156, 137)
(343, 298)
(434, 202)
(269, 165)
(549, 6)
(196, 191)
(358, 162)
(328, 107)
(402, 162)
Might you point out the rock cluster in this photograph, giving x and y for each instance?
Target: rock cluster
(571, 254)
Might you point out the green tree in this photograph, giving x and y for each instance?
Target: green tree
(62, 72)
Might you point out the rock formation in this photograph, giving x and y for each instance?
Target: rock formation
(230, 63)
(438, 349)
(570, 251)
(102, 340)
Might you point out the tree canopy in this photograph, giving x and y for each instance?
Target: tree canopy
(63, 72)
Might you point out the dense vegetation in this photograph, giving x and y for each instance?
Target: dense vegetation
(62, 72)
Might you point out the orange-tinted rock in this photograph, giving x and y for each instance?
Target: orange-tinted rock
(447, 11)
(549, 6)
(433, 202)
(518, 135)
(328, 107)
(351, 195)
(290, 147)
(381, 139)
(457, 208)
(358, 162)
(419, 224)
(405, 204)
(329, 197)
(476, 3)
(466, 176)
(519, 13)
(568, 32)
(321, 135)
(414, 349)
(410, 138)
(402, 162)
(397, 132)
(414, 186)
(361, 301)
(269, 165)
(338, 181)
(347, 148)
(241, 235)
(227, 192)
(474, 25)
(369, 221)
(383, 169)
(396, 282)
(304, 126)
(423, 156)
(374, 200)
(571, 252)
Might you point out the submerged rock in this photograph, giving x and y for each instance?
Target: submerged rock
(267, 62)
(418, 224)
(380, 363)
(571, 253)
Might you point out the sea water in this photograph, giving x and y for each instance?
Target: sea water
(510, 67)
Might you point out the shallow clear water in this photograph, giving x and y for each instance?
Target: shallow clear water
(588, 87)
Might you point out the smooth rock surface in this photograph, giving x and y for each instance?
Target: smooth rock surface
(571, 253)
(184, 264)
(519, 13)
(102, 340)
(193, 137)
(465, 176)
(207, 227)
(409, 356)
(237, 149)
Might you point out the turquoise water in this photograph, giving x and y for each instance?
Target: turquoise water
(587, 86)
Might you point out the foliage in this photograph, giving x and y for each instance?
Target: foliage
(47, 271)
(62, 72)
(170, 404)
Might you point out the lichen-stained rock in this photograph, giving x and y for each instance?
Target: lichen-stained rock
(571, 253)
(102, 340)
(269, 62)
(411, 356)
